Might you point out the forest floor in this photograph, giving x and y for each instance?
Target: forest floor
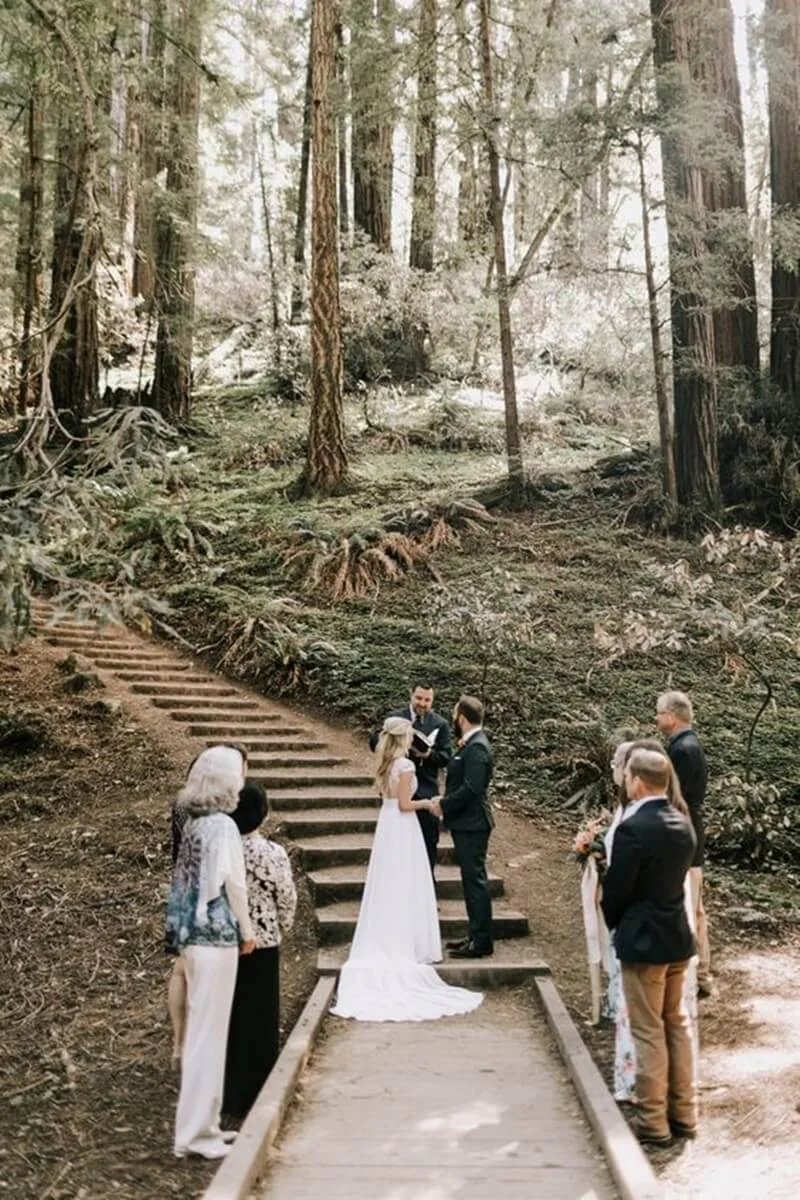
(606, 611)
(88, 1093)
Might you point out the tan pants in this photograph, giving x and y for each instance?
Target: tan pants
(700, 928)
(665, 1077)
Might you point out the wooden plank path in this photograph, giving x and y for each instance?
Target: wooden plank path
(466, 1108)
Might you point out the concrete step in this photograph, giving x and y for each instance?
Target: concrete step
(219, 705)
(337, 922)
(266, 761)
(157, 668)
(72, 642)
(331, 884)
(328, 821)
(304, 778)
(353, 849)
(193, 690)
(509, 966)
(328, 800)
(242, 729)
(276, 744)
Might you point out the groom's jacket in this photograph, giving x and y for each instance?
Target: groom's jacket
(643, 897)
(465, 806)
(427, 769)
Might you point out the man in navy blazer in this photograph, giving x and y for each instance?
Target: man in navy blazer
(643, 903)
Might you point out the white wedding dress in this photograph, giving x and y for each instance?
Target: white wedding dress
(387, 976)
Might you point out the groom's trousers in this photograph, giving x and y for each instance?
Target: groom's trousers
(471, 847)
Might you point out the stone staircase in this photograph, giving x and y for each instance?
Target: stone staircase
(321, 796)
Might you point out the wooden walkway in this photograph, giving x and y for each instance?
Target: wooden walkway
(467, 1108)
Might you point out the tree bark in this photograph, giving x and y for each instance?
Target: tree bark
(341, 133)
(472, 223)
(372, 44)
(423, 220)
(150, 136)
(693, 351)
(28, 287)
(326, 463)
(724, 192)
(516, 473)
(298, 279)
(784, 113)
(74, 374)
(176, 221)
(662, 397)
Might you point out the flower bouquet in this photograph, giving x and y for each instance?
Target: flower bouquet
(589, 842)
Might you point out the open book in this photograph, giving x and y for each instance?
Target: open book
(424, 741)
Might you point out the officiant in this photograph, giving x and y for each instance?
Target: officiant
(430, 753)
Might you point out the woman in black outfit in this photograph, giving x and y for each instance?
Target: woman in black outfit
(253, 1037)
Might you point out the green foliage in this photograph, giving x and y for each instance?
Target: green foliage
(385, 320)
(752, 823)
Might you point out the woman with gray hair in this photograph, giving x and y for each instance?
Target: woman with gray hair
(208, 924)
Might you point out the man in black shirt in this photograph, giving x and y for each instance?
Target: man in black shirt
(429, 754)
(674, 718)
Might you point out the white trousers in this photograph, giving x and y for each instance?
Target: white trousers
(210, 980)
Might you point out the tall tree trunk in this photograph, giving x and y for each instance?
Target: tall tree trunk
(516, 473)
(150, 136)
(326, 463)
(176, 221)
(472, 225)
(724, 192)
(371, 73)
(423, 221)
(784, 114)
(694, 362)
(341, 133)
(298, 278)
(27, 294)
(74, 373)
(662, 396)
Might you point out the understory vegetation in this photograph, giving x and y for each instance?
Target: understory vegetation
(569, 617)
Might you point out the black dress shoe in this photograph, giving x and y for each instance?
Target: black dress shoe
(472, 951)
(646, 1138)
(459, 944)
(679, 1130)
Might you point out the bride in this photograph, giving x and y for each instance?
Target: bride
(387, 976)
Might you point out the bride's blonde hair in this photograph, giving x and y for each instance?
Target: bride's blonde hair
(395, 739)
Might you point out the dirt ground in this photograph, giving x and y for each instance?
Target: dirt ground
(88, 1096)
(749, 1141)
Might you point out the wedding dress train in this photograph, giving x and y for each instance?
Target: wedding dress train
(388, 976)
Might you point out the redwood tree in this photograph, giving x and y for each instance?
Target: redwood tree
(675, 38)
(176, 222)
(784, 112)
(423, 221)
(326, 462)
(27, 292)
(371, 81)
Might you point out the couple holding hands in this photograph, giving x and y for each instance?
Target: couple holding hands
(388, 975)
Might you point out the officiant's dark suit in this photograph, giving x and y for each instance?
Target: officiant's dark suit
(428, 767)
(467, 813)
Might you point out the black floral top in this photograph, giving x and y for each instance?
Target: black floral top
(271, 894)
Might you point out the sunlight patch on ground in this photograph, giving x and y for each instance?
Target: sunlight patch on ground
(463, 1120)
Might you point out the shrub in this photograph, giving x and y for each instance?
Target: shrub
(752, 823)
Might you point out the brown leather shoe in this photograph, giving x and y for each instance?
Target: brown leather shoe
(646, 1137)
(679, 1130)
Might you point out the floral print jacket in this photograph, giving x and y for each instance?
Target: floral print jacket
(271, 894)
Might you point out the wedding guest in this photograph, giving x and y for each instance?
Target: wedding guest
(643, 904)
(253, 1036)
(616, 1007)
(428, 759)
(208, 924)
(176, 984)
(675, 720)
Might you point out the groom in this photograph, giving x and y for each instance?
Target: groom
(466, 811)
